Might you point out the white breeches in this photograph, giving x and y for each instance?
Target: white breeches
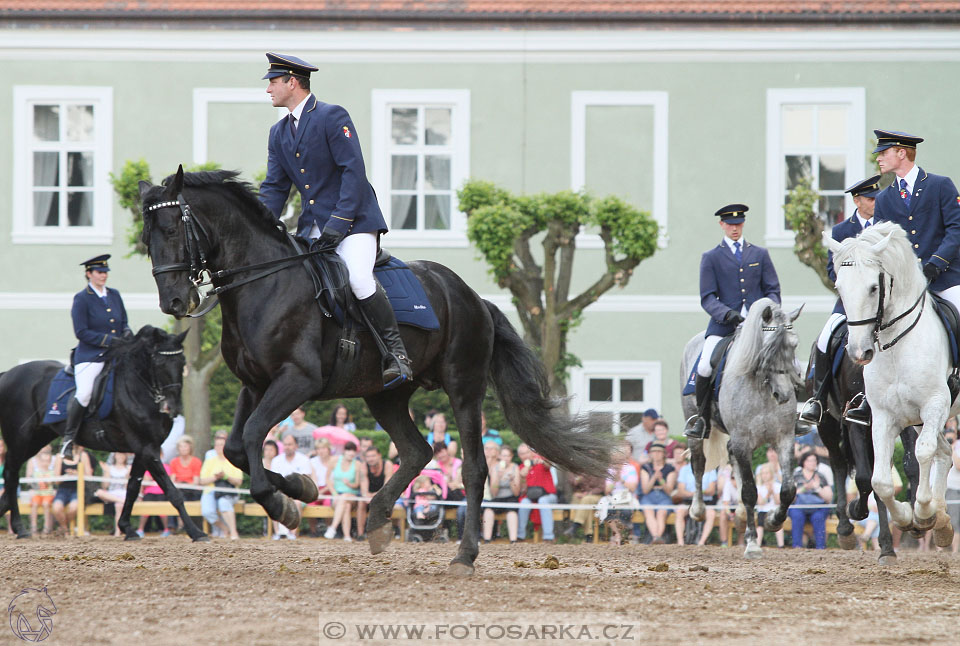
(703, 367)
(952, 294)
(359, 252)
(86, 374)
(835, 319)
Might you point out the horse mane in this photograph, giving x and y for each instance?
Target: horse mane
(896, 258)
(224, 184)
(753, 355)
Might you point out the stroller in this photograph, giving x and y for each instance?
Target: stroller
(424, 516)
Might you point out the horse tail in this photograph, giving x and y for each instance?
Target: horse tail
(520, 381)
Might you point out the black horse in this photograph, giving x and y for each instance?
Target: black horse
(852, 444)
(147, 383)
(280, 346)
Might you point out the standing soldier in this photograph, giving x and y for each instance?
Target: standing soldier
(864, 195)
(927, 207)
(316, 148)
(99, 318)
(733, 275)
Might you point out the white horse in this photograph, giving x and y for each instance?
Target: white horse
(898, 338)
(758, 405)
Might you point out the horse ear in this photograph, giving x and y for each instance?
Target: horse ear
(830, 243)
(880, 246)
(144, 187)
(795, 313)
(180, 337)
(767, 314)
(177, 187)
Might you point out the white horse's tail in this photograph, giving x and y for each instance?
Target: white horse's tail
(715, 451)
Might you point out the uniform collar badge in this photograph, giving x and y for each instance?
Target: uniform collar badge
(346, 132)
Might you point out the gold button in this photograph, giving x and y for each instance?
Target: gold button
(306, 186)
(916, 246)
(113, 331)
(311, 201)
(113, 321)
(741, 270)
(302, 171)
(910, 218)
(298, 154)
(913, 232)
(744, 291)
(109, 310)
(741, 280)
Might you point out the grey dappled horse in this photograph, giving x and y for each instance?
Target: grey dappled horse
(758, 405)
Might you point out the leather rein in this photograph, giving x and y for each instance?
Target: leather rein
(196, 239)
(877, 321)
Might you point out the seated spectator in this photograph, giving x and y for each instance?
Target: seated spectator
(150, 491)
(768, 499)
(539, 487)
(345, 481)
(661, 435)
(117, 469)
(488, 434)
(585, 490)
(341, 417)
(438, 432)
(773, 459)
(641, 435)
(812, 442)
(617, 506)
(270, 450)
(184, 469)
(65, 500)
(375, 473)
(728, 500)
(683, 495)
(425, 492)
(657, 482)
(301, 430)
(217, 506)
(291, 461)
(812, 489)
(41, 466)
(450, 466)
(504, 483)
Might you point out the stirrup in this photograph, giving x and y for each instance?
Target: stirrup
(812, 411)
(400, 367)
(696, 428)
(859, 414)
(67, 447)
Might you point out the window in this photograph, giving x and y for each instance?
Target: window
(815, 135)
(62, 141)
(616, 392)
(421, 158)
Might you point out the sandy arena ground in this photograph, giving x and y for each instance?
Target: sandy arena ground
(171, 591)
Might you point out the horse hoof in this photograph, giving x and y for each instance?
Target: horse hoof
(460, 570)
(753, 552)
(290, 518)
(943, 537)
(379, 538)
(847, 542)
(131, 537)
(887, 559)
(308, 488)
(202, 538)
(23, 535)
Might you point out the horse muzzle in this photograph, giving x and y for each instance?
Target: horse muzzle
(170, 406)
(861, 357)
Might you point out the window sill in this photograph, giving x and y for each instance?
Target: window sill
(58, 236)
(784, 240)
(401, 239)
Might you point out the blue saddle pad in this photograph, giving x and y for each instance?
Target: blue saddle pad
(690, 387)
(406, 295)
(61, 390)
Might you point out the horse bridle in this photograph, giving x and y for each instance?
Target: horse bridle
(878, 324)
(197, 265)
(157, 391)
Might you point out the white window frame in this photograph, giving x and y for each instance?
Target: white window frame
(204, 96)
(659, 101)
(777, 235)
(579, 387)
(382, 101)
(24, 231)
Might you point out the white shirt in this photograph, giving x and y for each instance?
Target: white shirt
(729, 244)
(299, 464)
(96, 291)
(911, 178)
(863, 223)
(297, 111)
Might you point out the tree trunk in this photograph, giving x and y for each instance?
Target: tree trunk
(196, 383)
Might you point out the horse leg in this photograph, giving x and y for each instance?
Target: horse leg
(17, 454)
(861, 450)
(390, 409)
(942, 461)
(698, 462)
(174, 495)
(133, 490)
(466, 398)
(788, 489)
(829, 430)
(748, 499)
(887, 554)
(934, 415)
(884, 433)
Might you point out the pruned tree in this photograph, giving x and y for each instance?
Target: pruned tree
(504, 228)
(807, 226)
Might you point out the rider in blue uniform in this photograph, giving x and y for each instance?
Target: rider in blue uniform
(316, 149)
(927, 207)
(99, 318)
(733, 275)
(864, 195)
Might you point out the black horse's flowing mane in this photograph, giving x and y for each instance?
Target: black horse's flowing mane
(244, 194)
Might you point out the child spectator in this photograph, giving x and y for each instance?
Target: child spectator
(768, 499)
(41, 467)
(65, 500)
(425, 493)
(728, 500)
(657, 482)
(217, 506)
(118, 471)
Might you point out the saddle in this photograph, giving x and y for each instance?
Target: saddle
(951, 323)
(63, 386)
(837, 347)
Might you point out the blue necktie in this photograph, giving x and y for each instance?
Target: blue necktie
(293, 124)
(904, 193)
(104, 299)
(867, 224)
(737, 252)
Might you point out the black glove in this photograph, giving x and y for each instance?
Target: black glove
(330, 238)
(733, 318)
(931, 271)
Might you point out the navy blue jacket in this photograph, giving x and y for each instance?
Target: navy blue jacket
(96, 322)
(323, 160)
(849, 228)
(932, 223)
(726, 284)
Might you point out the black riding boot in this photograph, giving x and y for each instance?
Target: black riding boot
(813, 408)
(396, 365)
(700, 429)
(860, 414)
(75, 414)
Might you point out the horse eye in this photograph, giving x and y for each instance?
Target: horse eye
(873, 289)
